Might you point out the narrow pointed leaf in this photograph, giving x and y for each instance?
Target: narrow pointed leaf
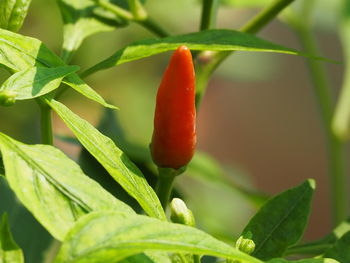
(36, 81)
(287, 212)
(9, 250)
(214, 39)
(109, 237)
(52, 186)
(112, 159)
(18, 53)
(13, 13)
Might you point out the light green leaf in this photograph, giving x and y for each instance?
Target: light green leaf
(52, 186)
(36, 81)
(309, 260)
(80, 86)
(9, 250)
(109, 237)
(13, 13)
(112, 159)
(33, 249)
(82, 18)
(214, 39)
(287, 212)
(340, 250)
(18, 53)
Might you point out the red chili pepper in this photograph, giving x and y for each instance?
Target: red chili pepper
(174, 135)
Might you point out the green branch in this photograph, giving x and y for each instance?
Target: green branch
(46, 123)
(209, 8)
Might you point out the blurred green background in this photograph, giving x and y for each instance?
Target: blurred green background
(259, 118)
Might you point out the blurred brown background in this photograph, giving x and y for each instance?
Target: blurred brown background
(259, 114)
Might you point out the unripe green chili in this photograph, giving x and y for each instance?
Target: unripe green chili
(174, 135)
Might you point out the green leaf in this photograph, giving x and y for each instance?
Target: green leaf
(320, 246)
(13, 13)
(309, 260)
(26, 228)
(112, 159)
(214, 39)
(9, 250)
(52, 186)
(82, 18)
(36, 81)
(287, 212)
(110, 236)
(18, 53)
(340, 250)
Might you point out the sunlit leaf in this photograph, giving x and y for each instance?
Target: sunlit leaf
(112, 159)
(109, 237)
(13, 13)
(52, 186)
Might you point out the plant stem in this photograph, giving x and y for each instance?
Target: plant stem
(335, 147)
(208, 13)
(341, 120)
(153, 27)
(165, 182)
(205, 67)
(46, 123)
(122, 13)
(196, 259)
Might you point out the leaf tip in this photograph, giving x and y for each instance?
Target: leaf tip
(312, 183)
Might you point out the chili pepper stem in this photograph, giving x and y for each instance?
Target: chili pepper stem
(46, 123)
(166, 177)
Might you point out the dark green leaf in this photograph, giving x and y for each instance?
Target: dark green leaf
(18, 53)
(320, 246)
(215, 40)
(52, 186)
(109, 237)
(340, 250)
(36, 81)
(9, 250)
(82, 18)
(112, 159)
(287, 212)
(13, 13)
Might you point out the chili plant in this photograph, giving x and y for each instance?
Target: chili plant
(112, 204)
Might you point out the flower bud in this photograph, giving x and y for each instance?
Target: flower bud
(180, 213)
(245, 245)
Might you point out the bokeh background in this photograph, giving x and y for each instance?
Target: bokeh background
(258, 120)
